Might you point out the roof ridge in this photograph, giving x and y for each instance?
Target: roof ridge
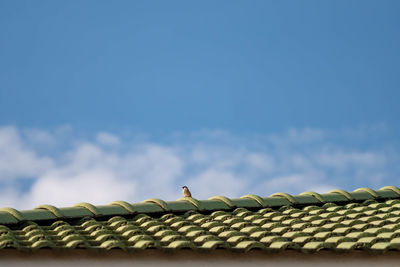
(182, 205)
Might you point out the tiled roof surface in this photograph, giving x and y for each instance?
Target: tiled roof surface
(339, 221)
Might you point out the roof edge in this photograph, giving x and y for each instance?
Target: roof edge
(182, 205)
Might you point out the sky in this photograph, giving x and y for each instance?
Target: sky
(129, 100)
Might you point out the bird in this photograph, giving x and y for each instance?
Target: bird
(186, 192)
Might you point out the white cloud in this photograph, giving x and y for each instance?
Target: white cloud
(345, 159)
(38, 136)
(296, 137)
(97, 186)
(107, 139)
(209, 162)
(261, 161)
(16, 160)
(295, 183)
(92, 174)
(213, 182)
(305, 135)
(10, 197)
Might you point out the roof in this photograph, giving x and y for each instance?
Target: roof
(363, 219)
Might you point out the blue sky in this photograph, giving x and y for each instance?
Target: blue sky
(219, 90)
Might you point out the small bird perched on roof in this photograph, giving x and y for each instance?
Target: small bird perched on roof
(186, 192)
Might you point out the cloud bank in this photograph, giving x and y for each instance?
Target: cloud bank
(59, 168)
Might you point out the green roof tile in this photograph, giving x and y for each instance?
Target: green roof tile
(364, 219)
